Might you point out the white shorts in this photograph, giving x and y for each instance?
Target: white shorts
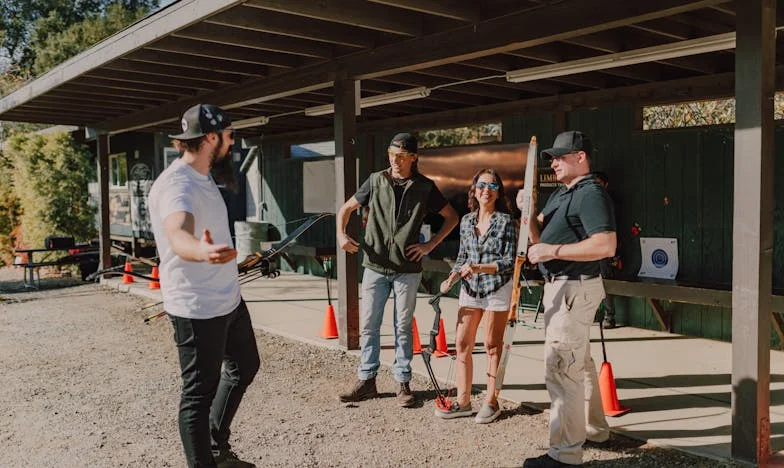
(496, 301)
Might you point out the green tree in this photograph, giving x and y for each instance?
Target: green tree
(9, 212)
(50, 177)
(53, 43)
(23, 22)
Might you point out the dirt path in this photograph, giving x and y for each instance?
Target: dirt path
(86, 383)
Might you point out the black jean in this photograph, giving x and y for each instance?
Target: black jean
(210, 398)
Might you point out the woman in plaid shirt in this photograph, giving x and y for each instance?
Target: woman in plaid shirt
(485, 263)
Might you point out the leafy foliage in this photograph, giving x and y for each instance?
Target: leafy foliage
(698, 113)
(50, 176)
(9, 212)
(472, 135)
(54, 43)
(26, 25)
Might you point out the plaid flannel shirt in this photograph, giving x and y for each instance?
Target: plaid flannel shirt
(497, 246)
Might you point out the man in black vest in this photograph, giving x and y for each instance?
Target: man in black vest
(575, 230)
(398, 199)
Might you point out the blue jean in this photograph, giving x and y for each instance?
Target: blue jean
(375, 292)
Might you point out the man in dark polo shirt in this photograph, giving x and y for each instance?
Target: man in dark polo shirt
(576, 229)
(398, 199)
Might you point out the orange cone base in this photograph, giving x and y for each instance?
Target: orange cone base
(330, 328)
(610, 403)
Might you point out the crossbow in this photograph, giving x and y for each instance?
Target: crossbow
(442, 396)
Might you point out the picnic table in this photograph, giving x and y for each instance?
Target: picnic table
(84, 255)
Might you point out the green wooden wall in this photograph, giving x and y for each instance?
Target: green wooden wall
(674, 183)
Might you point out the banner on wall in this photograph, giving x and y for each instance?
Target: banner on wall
(659, 257)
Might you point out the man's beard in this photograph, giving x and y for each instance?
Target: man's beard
(222, 167)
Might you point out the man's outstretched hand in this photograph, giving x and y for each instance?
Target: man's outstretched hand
(216, 254)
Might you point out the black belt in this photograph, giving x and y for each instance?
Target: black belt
(550, 278)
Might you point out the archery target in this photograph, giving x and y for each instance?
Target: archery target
(659, 257)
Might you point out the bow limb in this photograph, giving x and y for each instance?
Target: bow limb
(261, 260)
(442, 400)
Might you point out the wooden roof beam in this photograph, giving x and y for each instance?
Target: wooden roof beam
(288, 25)
(507, 33)
(349, 12)
(172, 70)
(225, 52)
(137, 77)
(453, 9)
(256, 40)
(204, 65)
(63, 93)
(150, 88)
(176, 16)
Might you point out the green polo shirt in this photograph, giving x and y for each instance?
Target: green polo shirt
(572, 215)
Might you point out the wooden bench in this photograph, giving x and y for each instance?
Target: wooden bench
(655, 292)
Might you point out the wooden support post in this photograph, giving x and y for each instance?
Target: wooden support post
(346, 187)
(778, 326)
(103, 205)
(752, 231)
(664, 317)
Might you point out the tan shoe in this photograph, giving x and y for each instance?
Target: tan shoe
(405, 398)
(363, 390)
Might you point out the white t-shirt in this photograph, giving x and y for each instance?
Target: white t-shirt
(197, 290)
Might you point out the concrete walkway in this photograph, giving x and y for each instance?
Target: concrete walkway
(678, 387)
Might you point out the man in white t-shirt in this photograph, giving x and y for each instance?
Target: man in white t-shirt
(201, 291)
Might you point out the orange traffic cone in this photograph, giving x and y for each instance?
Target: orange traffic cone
(155, 284)
(415, 335)
(610, 403)
(330, 328)
(127, 278)
(441, 348)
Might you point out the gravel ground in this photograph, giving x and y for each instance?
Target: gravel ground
(86, 383)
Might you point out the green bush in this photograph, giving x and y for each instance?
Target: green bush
(50, 177)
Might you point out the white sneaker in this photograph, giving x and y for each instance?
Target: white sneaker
(454, 411)
(487, 413)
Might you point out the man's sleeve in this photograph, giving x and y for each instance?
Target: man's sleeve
(596, 213)
(175, 197)
(364, 192)
(436, 202)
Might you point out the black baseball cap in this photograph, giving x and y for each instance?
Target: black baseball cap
(405, 141)
(568, 142)
(202, 119)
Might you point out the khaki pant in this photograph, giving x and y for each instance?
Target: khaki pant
(570, 373)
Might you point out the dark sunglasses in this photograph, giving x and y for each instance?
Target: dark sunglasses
(490, 185)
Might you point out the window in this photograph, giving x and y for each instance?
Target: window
(461, 136)
(698, 113)
(169, 155)
(118, 168)
(318, 149)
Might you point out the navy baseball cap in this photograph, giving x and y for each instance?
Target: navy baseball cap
(568, 142)
(202, 119)
(405, 141)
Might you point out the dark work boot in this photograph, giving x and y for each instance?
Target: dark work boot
(405, 398)
(363, 390)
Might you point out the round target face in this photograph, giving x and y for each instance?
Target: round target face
(659, 258)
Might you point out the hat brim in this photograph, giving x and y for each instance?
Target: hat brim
(186, 136)
(555, 152)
